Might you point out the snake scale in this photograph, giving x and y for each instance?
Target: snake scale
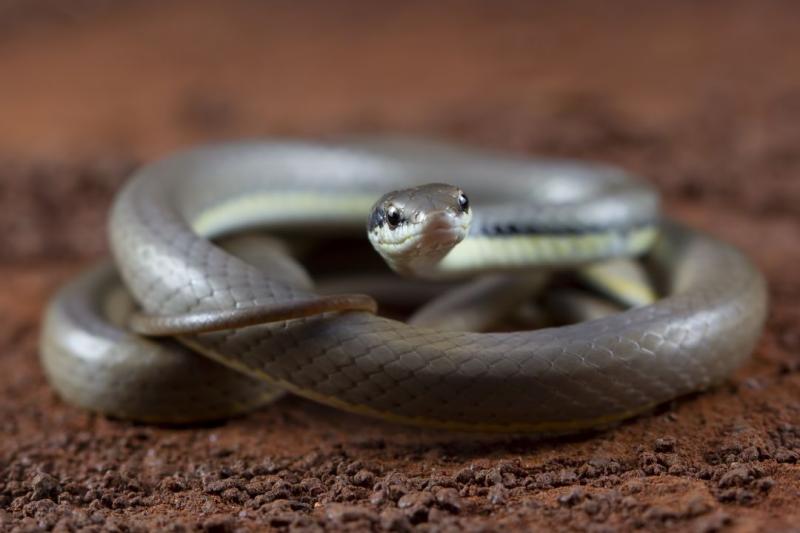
(526, 214)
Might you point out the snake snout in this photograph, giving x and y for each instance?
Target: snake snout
(443, 228)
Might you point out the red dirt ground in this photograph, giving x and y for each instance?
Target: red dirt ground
(702, 98)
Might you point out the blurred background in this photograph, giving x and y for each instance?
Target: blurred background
(702, 98)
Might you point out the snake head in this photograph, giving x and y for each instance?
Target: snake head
(413, 229)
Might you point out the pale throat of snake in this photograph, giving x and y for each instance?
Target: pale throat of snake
(414, 229)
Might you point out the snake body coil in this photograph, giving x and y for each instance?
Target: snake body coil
(560, 379)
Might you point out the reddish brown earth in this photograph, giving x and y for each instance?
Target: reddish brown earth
(702, 98)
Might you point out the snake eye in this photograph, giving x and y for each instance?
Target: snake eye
(392, 216)
(463, 202)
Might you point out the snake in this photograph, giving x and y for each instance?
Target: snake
(220, 334)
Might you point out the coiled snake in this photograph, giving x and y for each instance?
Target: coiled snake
(525, 214)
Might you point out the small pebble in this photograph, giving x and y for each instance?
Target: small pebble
(665, 445)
